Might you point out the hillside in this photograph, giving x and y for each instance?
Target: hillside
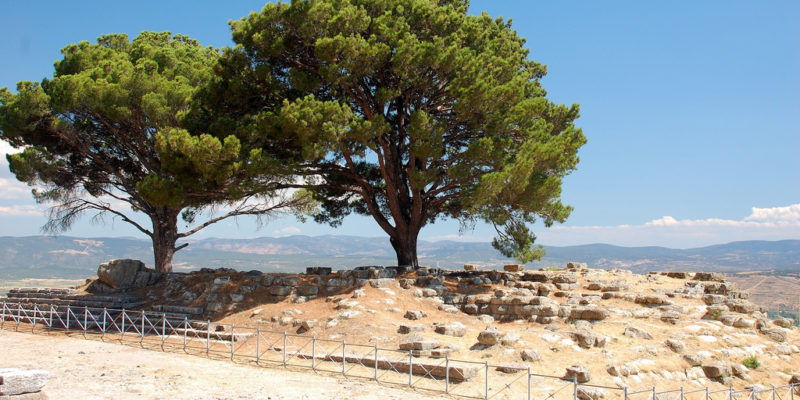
(612, 329)
(73, 258)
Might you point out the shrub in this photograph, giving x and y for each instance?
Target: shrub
(751, 362)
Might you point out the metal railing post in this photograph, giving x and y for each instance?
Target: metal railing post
(625, 392)
(773, 392)
(375, 372)
(122, 337)
(681, 392)
(19, 316)
(344, 360)
(529, 382)
(791, 391)
(185, 329)
(447, 373)
(68, 313)
(284, 349)
(3, 317)
(85, 319)
(141, 342)
(35, 311)
(163, 329)
(103, 335)
(208, 337)
(575, 388)
(258, 345)
(314, 353)
(410, 368)
(706, 392)
(50, 326)
(730, 392)
(233, 336)
(486, 395)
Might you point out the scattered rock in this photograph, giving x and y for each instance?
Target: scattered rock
(530, 355)
(509, 339)
(456, 329)
(693, 360)
(775, 334)
(578, 373)
(489, 337)
(716, 371)
(513, 268)
(410, 328)
(415, 341)
(591, 393)
(637, 333)
(675, 345)
(784, 322)
(587, 339)
(415, 315)
(512, 368)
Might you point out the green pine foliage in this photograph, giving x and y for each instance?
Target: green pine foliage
(403, 110)
(108, 134)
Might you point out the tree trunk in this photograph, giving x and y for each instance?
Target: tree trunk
(406, 248)
(165, 235)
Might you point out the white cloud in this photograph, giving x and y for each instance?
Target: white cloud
(13, 189)
(760, 217)
(17, 211)
(6, 148)
(772, 223)
(789, 214)
(289, 230)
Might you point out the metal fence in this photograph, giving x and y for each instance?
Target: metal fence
(265, 348)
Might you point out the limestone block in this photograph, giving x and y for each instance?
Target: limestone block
(410, 328)
(565, 277)
(280, 290)
(530, 355)
(675, 345)
(513, 267)
(579, 373)
(589, 313)
(16, 381)
(512, 368)
(716, 371)
(591, 393)
(637, 333)
(489, 337)
(456, 329)
(415, 315)
(307, 290)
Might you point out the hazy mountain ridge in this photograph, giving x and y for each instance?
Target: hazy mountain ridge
(72, 257)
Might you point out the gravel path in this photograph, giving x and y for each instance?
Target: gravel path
(88, 369)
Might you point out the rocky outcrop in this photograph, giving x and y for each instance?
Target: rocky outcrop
(124, 274)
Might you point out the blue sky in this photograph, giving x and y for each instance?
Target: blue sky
(691, 110)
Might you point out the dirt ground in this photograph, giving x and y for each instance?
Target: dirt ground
(87, 370)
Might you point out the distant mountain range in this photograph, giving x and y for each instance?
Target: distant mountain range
(71, 257)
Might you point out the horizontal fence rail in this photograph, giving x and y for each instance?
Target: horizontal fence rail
(265, 348)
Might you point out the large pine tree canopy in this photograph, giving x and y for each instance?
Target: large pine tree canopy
(404, 110)
(107, 134)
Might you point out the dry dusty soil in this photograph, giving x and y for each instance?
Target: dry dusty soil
(88, 369)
